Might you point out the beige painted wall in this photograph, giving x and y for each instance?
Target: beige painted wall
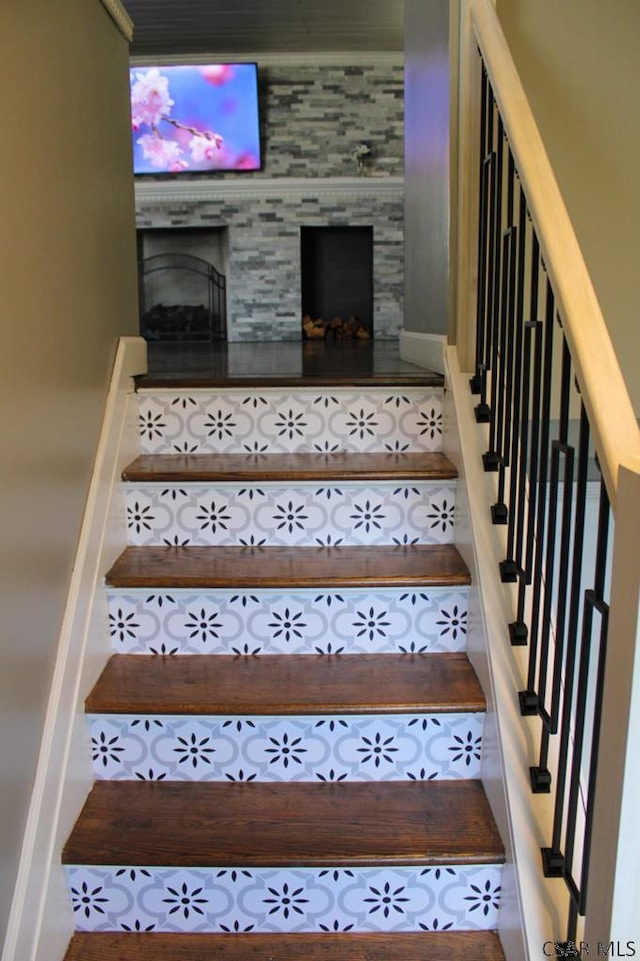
(67, 290)
(579, 64)
(426, 130)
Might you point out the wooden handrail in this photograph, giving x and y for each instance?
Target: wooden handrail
(605, 396)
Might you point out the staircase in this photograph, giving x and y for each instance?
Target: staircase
(287, 738)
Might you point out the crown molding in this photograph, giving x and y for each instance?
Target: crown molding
(120, 17)
(201, 191)
(339, 58)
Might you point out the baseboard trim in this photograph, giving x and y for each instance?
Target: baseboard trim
(425, 350)
(41, 921)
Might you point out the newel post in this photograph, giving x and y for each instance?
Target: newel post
(613, 895)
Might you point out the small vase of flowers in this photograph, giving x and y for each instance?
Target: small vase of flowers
(361, 154)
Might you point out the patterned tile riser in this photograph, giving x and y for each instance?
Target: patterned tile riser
(426, 898)
(301, 514)
(280, 420)
(333, 748)
(392, 620)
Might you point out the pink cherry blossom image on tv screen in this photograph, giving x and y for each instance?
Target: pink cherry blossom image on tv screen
(195, 118)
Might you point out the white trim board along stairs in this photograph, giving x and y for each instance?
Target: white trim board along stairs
(287, 739)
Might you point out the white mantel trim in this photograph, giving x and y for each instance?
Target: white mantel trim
(120, 17)
(193, 191)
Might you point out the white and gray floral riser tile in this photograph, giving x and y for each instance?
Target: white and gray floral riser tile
(336, 748)
(304, 515)
(233, 900)
(390, 620)
(235, 421)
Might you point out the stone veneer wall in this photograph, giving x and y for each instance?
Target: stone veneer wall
(263, 285)
(313, 117)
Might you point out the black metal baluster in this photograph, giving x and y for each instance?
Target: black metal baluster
(490, 458)
(567, 451)
(596, 601)
(552, 857)
(517, 564)
(593, 601)
(485, 152)
(482, 411)
(494, 459)
(499, 510)
(499, 442)
(478, 381)
(518, 453)
(529, 697)
(548, 668)
(528, 457)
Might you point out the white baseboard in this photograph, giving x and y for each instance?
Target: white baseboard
(41, 919)
(425, 350)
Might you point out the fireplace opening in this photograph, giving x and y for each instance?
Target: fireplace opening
(182, 284)
(336, 265)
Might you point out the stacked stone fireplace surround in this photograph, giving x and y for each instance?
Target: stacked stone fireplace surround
(313, 118)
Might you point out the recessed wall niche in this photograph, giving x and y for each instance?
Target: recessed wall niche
(336, 271)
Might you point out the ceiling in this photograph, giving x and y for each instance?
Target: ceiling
(171, 27)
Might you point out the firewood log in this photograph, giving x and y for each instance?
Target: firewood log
(317, 332)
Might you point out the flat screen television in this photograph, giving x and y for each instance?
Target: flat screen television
(202, 117)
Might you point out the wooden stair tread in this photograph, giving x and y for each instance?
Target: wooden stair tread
(426, 946)
(286, 684)
(212, 824)
(421, 466)
(418, 565)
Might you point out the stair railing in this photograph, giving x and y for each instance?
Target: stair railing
(563, 441)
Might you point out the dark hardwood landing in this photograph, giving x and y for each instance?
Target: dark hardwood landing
(196, 824)
(427, 946)
(319, 467)
(419, 565)
(287, 684)
(282, 364)
(189, 382)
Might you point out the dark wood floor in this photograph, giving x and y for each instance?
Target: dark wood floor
(282, 362)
